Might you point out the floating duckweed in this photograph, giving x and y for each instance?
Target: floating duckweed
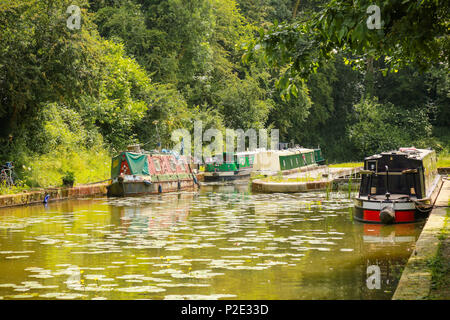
(63, 296)
(198, 274)
(142, 289)
(156, 248)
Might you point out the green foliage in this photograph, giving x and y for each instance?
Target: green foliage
(243, 103)
(169, 111)
(444, 160)
(68, 179)
(290, 115)
(41, 60)
(385, 127)
(139, 69)
(347, 165)
(65, 145)
(124, 97)
(19, 186)
(411, 33)
(49, 169)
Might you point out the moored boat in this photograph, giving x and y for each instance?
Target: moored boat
(137, 173)
(242, 164)
(285, 161)
(397, 187)
(230, 167)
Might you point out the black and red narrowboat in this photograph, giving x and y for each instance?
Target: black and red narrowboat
(397, 187)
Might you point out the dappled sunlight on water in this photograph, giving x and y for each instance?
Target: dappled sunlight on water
(220, 243)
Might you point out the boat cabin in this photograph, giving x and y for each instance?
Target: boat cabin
(403, 181)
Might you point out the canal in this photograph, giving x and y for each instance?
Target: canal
(222, 242)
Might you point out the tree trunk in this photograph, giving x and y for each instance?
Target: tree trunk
(294, 14)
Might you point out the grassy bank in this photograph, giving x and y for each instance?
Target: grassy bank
(443, 160)
(48, 170)
(347, 165)
(299, 179)
(440, 266)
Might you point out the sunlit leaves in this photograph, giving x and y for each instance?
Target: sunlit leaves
(411, 33)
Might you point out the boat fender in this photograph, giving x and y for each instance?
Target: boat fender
(179, 185)
(387, 215)
(195, 180)
(47, 196)
(148, 183)
(160, 189)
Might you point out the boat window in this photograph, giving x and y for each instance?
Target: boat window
(372, 165)
(157, 164)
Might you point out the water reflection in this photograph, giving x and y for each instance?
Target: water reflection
(381, 245)
(222, 242)
(138, 215)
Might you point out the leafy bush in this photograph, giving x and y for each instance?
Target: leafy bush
(68, 179)
(19, 186)
(385, 127)
(87, 165)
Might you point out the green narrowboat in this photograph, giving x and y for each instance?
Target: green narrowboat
(240, 165)
(232, 166)
(271, 161)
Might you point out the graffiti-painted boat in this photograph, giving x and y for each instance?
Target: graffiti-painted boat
(397, 187)
(138, 173)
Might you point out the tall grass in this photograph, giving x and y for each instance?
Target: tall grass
(19, 186)
(48, 170)
(347, 165)
(443, 160)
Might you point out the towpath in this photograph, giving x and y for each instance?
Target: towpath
(427, 273)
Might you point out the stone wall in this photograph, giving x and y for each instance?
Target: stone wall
(54, 193)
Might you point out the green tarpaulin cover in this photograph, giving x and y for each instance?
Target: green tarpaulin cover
(136, 162)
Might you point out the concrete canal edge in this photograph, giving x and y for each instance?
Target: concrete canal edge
(258, 185)
(287, 187)
(38, 196)
(416, 280)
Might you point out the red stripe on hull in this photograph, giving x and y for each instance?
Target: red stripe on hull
(404, 216)
(400, 216)
(371, 215)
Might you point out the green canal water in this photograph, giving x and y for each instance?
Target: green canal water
(222, 242)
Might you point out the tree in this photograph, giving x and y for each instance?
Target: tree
(41, 60)
(412, 32)
(378, 128)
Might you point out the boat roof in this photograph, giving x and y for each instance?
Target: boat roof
(411, 153)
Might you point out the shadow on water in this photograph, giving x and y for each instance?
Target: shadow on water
(222, 242)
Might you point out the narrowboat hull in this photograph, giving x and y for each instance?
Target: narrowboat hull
(404, 212)
(137, 188)
(226, 176)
